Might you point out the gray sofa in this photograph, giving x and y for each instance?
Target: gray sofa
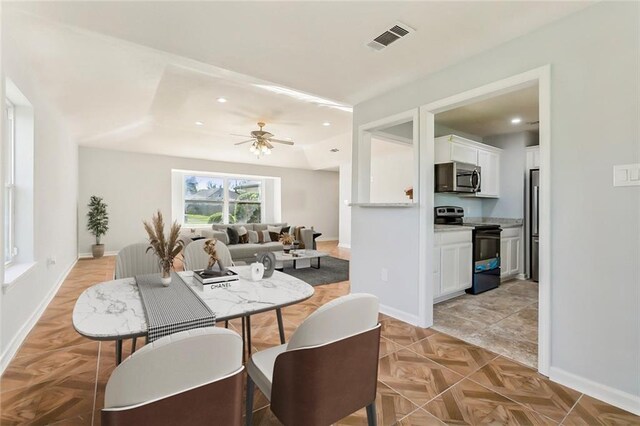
(246, 252)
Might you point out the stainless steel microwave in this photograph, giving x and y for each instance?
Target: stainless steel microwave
(457, 177)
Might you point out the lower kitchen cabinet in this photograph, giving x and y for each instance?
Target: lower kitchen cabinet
(511, 252)
(453, 259)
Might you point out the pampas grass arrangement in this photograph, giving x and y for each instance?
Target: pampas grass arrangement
(165, 248)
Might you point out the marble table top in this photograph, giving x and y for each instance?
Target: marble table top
(113, 310)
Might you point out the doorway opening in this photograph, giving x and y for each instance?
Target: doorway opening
(480, 276)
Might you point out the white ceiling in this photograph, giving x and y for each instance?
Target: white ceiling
(137, 75)
(493, 116)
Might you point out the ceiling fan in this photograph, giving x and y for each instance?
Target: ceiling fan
(261, 141)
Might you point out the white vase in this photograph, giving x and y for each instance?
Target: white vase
(166, 281)
(257, 271)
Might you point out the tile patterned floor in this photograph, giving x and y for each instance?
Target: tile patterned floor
(425, 378)
(503, 320)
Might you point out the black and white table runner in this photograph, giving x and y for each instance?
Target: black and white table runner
(173, 308)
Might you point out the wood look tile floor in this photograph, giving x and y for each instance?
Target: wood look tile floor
(426, 377)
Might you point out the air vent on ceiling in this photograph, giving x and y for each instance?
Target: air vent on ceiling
(334, 150)
(394, 33)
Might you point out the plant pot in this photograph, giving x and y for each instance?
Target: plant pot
(286, 249)
(97, 250)
(166, 281)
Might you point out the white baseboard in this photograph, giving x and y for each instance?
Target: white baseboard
(90, 255)
(400, 315)
(345, 246)
(14, 344)
(615, 397)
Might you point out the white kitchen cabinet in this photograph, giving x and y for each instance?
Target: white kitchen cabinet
(533, 157)
(455, 148)
(511, 253)
(489, 163)
(464, 153)
(453, 258)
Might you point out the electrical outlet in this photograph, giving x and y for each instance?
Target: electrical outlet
(384, 275)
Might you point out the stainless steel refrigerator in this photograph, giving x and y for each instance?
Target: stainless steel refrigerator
(534, 192)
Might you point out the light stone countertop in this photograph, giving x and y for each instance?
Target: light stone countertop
(469, 222)
(451, 228)
(113, 310)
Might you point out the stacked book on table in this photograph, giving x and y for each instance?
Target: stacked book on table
(210, 280)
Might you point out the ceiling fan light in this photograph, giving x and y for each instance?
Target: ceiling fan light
(268, 152)
(252, 148)
(264, 148)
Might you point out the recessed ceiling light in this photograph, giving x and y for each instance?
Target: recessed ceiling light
(199, 123)
(326, 124)
(221, 100)
(516, 120)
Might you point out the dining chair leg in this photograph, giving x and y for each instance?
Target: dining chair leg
(244, 347)
(133, 344)
(371, 414)
(118, 351)
(249, 403)
(248, 336)
(280, 326)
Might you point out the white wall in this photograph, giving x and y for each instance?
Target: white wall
(345, 209)
(512, 172)
(595, 236)
(135, 185)
(54, 225)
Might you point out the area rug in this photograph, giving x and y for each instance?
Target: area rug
(332, 270)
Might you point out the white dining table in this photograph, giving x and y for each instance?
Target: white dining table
(112, 310)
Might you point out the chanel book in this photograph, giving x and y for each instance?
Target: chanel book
(222, 279)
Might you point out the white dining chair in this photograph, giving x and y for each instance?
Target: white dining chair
(192, 377)
(329, 368)
(196, 258)
(134, 259)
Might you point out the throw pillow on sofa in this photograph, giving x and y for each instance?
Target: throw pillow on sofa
(253, 237)
(275, 232)
(234, 238)
(243, 235)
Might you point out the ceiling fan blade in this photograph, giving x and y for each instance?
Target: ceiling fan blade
(281, 141)
(268, 144)
(242, 136)
(240, 143)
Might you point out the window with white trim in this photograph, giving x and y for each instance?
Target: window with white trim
(10, 250)
(209, 199)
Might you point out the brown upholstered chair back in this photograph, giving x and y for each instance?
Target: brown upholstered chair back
(319, 385)
(217, 403)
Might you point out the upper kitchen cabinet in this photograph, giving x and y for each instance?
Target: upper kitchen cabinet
(533, 157)
(455, 148)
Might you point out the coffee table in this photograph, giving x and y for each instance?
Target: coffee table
(301, 258)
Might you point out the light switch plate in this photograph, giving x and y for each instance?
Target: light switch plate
(626, 175)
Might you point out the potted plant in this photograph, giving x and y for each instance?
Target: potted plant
(165, 248)
(286, 240)
(97, 223)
